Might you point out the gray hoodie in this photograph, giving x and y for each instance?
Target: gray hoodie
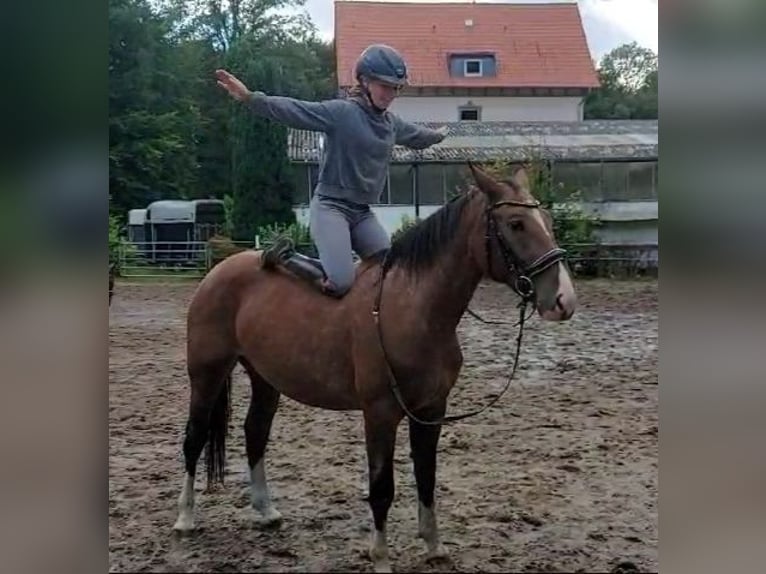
(358, 145)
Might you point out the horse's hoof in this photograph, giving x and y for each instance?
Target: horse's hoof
(379, 563)
(269, 519)
(184, 524)
(383, 566)
(437, 553)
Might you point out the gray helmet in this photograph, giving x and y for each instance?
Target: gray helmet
(382, 63)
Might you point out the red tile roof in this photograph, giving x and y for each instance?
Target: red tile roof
(535, 45)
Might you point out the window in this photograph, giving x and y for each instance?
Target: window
(582, 177)
(641, 181)
(299, 174)
(400, 178)
(469, 114)
(472, 67)
(430, 184)
(456, 179)
(313, 176)
(615, 186)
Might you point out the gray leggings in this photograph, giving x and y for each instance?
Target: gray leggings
(337, 228)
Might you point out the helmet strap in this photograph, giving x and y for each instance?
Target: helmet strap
(367, 93)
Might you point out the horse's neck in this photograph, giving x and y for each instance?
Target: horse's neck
(451, 283)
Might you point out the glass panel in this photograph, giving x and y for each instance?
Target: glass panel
(616, 181)
(314, 171)
(401, 184)
(641, 181)
(469, 114)
(430, 184)
(585, 177)
(473, 67)
(300, 184)
(456, 179)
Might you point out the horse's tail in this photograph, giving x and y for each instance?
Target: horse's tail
(215, 451)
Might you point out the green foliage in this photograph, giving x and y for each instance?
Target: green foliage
(118, 244)
(228, 210)
(629, 85)
(174, 133)
(406, 222)
(296, 231)
(114, 238)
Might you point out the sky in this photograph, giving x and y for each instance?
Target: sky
(607, 23)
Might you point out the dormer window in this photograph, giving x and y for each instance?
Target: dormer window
(472, 67)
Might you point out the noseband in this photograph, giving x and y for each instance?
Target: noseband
(523, 284)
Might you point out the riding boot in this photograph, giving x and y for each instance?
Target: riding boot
(304, 267)
(282, 252)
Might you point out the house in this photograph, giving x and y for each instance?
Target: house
(613, 163)
(509, 81)
(475, 61)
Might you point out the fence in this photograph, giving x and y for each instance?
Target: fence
(193, 259)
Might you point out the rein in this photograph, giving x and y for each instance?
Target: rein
(522, 285)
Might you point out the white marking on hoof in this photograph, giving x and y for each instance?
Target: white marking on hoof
(185, 521)
(429, 531)
(379, 551)
(265, 514)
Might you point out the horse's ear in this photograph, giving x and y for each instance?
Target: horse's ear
(485, 181)
(521, 178)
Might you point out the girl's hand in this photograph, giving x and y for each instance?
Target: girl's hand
(231, 84)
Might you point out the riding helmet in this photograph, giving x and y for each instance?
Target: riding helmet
(382, 63)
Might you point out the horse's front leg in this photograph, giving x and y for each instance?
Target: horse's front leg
(380, 425)
(423, 442)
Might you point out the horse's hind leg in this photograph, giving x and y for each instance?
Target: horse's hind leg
(423, 443)
(207, 424)
(264, 402)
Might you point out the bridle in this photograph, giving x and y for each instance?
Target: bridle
(522, 285)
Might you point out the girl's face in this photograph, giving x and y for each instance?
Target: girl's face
(382, 94)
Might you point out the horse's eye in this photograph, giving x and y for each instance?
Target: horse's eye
(517, 225)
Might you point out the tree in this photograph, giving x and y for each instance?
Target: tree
(152, 118)
(175, 134)
(628, 76)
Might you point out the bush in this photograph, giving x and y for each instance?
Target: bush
(296, 231)
(221, 247)
(406, 223)
(117, 245)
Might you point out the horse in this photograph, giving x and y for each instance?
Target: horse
(394, 330)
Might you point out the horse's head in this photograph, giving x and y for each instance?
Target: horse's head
(519, 248)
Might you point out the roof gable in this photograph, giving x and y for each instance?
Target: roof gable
(534, 45)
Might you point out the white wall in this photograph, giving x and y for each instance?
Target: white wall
(496, 108)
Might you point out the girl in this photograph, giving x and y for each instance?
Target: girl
(360, 134)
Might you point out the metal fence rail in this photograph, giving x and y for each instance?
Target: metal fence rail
(193, 259)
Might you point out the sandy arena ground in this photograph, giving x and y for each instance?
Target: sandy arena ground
(559, 476)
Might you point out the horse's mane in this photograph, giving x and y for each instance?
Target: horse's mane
(422, 244)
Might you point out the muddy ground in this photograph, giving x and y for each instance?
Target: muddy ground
(560, 475)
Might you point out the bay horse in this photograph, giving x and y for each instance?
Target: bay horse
(399, 319)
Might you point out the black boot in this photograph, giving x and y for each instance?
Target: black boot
(304, 267)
